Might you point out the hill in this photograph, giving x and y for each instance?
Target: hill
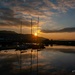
(12, 37)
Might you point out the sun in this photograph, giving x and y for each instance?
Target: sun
(35, 34)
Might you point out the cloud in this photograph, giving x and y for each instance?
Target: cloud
(27, 6)
(60, 5)
(72, 29)
(7, 18)
(50, 4)
(18, 11)
(15, 12)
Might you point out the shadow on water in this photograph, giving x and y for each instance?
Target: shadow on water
(51, 61)
(9, 63)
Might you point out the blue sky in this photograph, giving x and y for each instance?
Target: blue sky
(53, 14)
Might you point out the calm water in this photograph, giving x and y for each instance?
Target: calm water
(56, 60)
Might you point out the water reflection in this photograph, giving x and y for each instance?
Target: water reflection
(56, 60)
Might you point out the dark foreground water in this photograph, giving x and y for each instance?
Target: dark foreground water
(56, 60)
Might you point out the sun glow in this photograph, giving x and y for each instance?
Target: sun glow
(35, 34)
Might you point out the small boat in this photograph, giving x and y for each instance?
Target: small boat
(23, 51)
(21, 47)
(39, 46)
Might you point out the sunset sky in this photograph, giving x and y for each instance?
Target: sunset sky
(56, 17)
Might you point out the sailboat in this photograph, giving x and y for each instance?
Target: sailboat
(37, 45)
(21, 46)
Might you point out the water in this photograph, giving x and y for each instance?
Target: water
(56, 60)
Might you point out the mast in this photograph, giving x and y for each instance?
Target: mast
(21, 28)
(37, 44)
(31, 44)
(20, 50)
(31, 26)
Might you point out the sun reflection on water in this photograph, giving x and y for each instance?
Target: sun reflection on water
(50, 60)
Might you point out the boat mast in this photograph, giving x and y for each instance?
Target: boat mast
(31, 26)
(31, 44)
(37, 44)
(20, 50)
(21, 28)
